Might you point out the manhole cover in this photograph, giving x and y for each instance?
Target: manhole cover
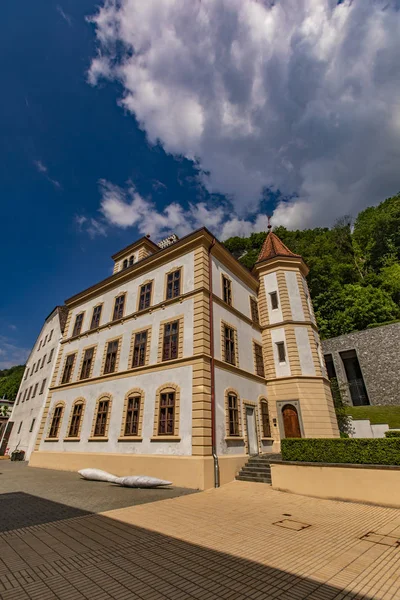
(379, 538)
(290, 524)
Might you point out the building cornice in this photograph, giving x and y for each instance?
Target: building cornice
(290, 262)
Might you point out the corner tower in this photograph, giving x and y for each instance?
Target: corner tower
(299, 394)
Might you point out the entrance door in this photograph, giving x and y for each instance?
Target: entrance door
(291, 421)
(251, 430)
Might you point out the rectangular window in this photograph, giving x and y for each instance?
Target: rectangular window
(87, 363)
(254, 311)
(25, 393)
(51, 355)
(75, 420)
(45, 340)
(96, 316)
(229, 345)
(173, 284)
(42, 386)
(266, 425)
(281, 351)
(132, 416)
(51, 334)
(43, 359)
(145, 295)
(258, 353)
(37, 366)
(19, 398)
(171, 340)
(167, 414)
(274, 300)
(32, 425)
(69, 365)
(101, 419)
(111, 356)
(78, 324)
(35, 390)
(27, 372)
(226, 290)
(40, 345)
(119, 307)
(29, 393)
(139, 349)
(233, 410)
(19, 428)
(55, 423)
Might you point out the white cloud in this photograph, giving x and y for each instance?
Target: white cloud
(10, 354)
(300, 96)
(64, 15)
(41, 167)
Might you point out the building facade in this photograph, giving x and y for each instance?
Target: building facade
(366, 365)
(182, 363)
(24, 423)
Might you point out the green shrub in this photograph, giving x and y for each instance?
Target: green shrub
(378, 451)
(392, 434)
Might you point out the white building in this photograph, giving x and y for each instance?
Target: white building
(34, 388)
(182, 363)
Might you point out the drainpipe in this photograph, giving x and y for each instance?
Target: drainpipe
(213, 419)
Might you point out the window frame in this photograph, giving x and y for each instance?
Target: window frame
(103, 433)
(167, 388)
(140, 348)
(233, 353)
(73, 419)
(59, 407)
(32, 425)
(106, 370)
(95, 324)
(170, 291)
(259, 359)
(142, 295)
(42, 386)
(274, 300)
(281, 352)
(254, 312)
(233, 432)
(226, 289)
(35, 389)
(167, 354)
(70, 365)
(265, 419)
(50, 355)
(117, 312)
(78, 324)
(91, 364)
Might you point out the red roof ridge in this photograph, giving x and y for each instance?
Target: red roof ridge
(273, 246)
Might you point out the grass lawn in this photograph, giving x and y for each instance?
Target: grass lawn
(377, 414)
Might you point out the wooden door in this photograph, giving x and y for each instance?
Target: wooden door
(291, 421)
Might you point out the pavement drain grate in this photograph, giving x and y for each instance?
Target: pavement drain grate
(379, 538)
(290, 524)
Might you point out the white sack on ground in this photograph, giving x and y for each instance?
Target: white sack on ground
(97, 475)
(141, 481)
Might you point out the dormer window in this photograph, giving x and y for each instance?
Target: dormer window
(131, 260)
(125, 264)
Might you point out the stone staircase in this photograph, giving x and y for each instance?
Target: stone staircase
(258, 468)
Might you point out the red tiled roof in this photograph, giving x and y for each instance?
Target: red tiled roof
(273, 247)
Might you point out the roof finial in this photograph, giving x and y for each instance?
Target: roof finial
(269, 222)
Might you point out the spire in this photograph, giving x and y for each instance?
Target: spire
(273, 247)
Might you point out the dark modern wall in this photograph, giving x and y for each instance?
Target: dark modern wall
(378, 351)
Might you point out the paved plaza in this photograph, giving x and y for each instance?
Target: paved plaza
(244, 540)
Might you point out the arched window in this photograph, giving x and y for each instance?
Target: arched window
(76, 418)
(131, 260)
(125, 264)
(167, 410)
(56, 420)
(266, 425)
(132, 415)
(102, 417)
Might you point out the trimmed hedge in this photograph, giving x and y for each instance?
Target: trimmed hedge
(378, 451)
(392, 434)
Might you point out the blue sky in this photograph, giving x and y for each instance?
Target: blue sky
(165, 115)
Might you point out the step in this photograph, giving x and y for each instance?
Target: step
(255, 471)
(253, 479)
(261, 463)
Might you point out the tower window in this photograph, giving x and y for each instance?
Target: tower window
(274, 300)
(125, 264)
(131, 260)
(281, 351)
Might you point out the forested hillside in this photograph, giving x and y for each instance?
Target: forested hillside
(354, 274)
(10, 380)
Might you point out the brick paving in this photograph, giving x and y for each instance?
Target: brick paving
(222, 543)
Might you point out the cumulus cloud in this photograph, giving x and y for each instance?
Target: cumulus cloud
(300, 96)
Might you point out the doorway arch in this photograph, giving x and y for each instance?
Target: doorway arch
(291, 422)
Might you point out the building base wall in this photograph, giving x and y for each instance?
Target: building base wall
(195, 472)
(351, 483)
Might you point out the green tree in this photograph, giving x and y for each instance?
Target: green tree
(10, 380)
